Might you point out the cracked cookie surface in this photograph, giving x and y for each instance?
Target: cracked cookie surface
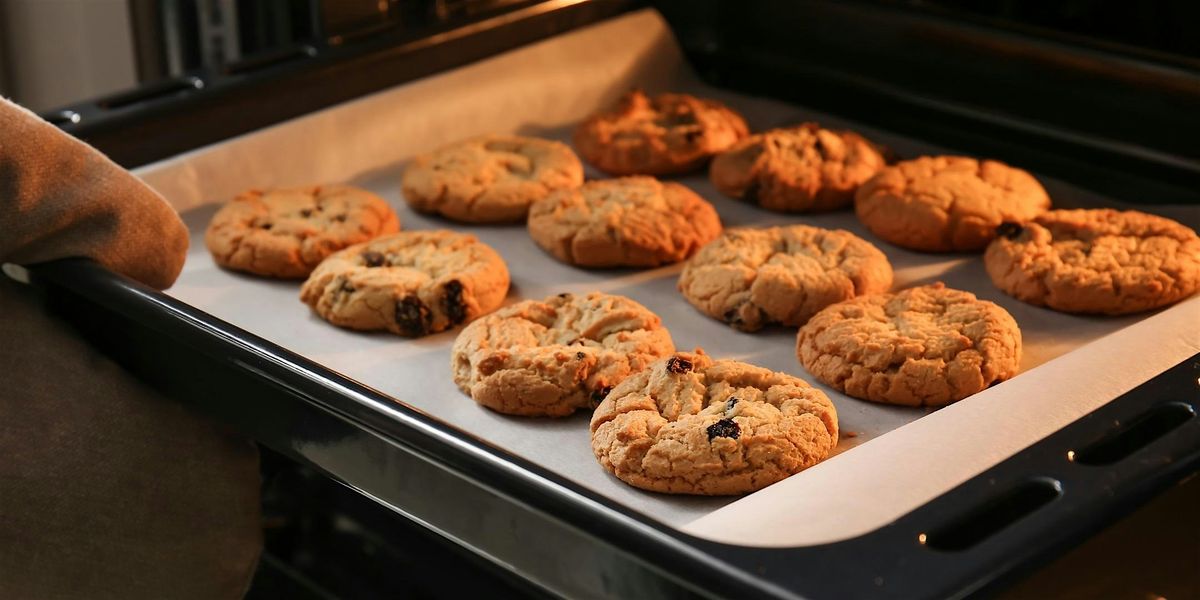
(630, 221)
(550, 358)
(751, 278)
(947, 203)
(1098, 261)
(797, 169)
(287, 232)
(924, 346)
(489, 179)
(411, 284)
(668, 134)
(692, 425)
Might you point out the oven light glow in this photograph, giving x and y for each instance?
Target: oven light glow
(921, 538)
(1071, 455)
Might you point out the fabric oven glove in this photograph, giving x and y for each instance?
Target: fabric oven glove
(107, 488)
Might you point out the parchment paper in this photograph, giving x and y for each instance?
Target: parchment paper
(543, 90)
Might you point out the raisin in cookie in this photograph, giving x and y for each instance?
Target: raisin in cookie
(286, 233)
(924, 346)
(1096, 261)
(631, 221)
(692, 425)
(489, 179)
(750, 278)
(549, 358)
(412, 283)
(797, 169)
(947, 203)
(669, 134)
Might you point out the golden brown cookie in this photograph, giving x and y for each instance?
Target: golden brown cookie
(412, 283)
(550, 358)
(1099, 261)
(751, 278)
(287, 232)
(630, 222)
(924, 346)
(669, 134)
(692, 425)
(947, 203)
(797, 169)
(489, 179)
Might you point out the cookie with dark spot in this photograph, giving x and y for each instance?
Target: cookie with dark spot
(668, 134)
(751, 278)
(1098, 261)
(797, 169)
(286, 233)
(947, 203)
(718, 428)
(552, 357)
(629, 221)
(412, 284)
(489, 179)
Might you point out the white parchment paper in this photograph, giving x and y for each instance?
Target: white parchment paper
(890, 460)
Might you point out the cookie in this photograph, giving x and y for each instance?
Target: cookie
(797, 169)
(924, 346)
(630, 222)
(411, 284)
(1099, 261)
(669, 134)
(947, 203)
(692, 425)
(550, 358)
(489, 179)
(287, 232)
(750, 278)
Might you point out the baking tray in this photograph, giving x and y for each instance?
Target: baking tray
(886, 488)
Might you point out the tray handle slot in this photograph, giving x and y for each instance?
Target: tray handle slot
(1134, 435)
(166, 88)
(992, 516)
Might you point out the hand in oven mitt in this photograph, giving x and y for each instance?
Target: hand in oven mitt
(107, 489)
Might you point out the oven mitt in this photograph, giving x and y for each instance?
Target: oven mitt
(107, 489)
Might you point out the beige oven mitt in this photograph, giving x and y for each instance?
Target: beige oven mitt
(107, 489)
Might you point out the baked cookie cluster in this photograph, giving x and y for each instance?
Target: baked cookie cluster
(682, 422)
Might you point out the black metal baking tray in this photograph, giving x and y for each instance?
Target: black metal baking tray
(576, 543)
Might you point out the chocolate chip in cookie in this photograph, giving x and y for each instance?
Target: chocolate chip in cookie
(452, 301)
(1009, 230)
(678, 365)
(372, 259)
(412, 316)
(726, 428)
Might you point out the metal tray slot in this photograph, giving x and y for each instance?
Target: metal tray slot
(1134, 435)
(270, 58)
(164, 89)
(981, 523)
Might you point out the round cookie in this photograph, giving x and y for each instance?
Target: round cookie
(947, 203)
(630, 222)
(489, 179)
(924, 346)
(550, 358)
(797, 169)
(669, 134)
(1099, 261)
(287, 232)
(691, 425)
(412, 283)
(750, 278)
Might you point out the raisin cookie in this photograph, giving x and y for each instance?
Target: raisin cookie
(750, 278)
(797, 169)
(412, 283)
(947, 203)
(550, 358)
(1096, 261)
(669, 134)
(286, 233)
(692, 425)
(924, 346)
(489, 179)
(630, 221)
